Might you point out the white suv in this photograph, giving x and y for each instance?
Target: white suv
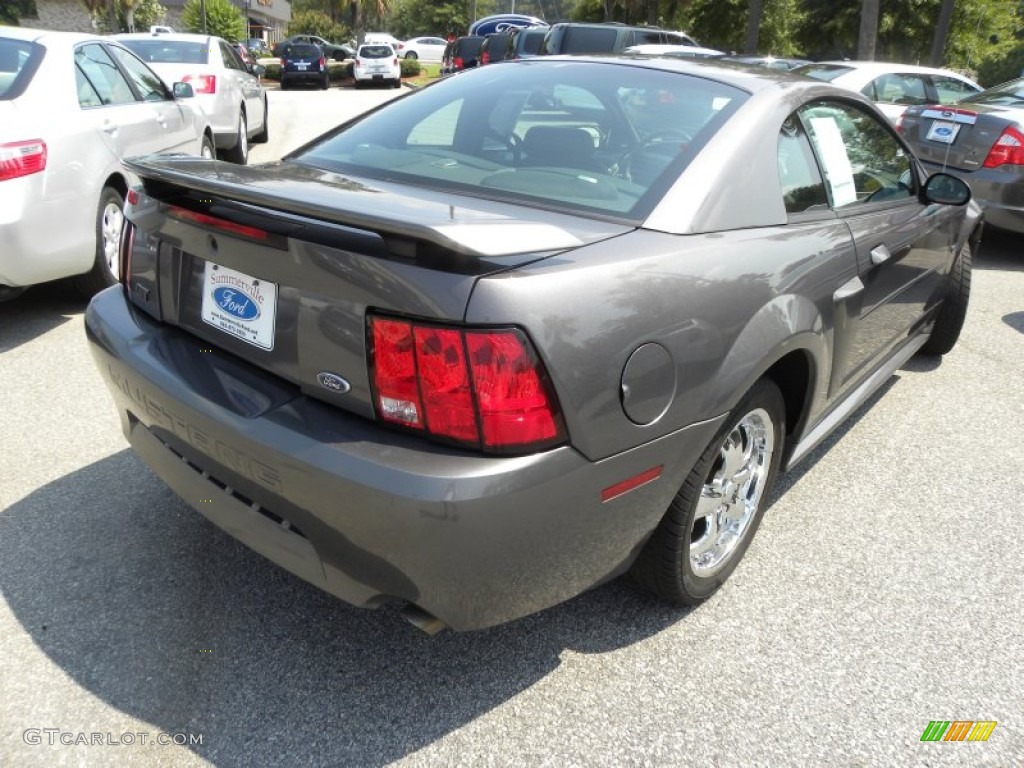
(377, 63)
(227, 90)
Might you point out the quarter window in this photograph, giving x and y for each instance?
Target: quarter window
(950, 89)
(803, 189)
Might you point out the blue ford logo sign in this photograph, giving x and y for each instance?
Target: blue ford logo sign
(943, 131)
(236, 303)
(333, 382)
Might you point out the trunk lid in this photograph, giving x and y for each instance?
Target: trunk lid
(280, 264)
(957, 137)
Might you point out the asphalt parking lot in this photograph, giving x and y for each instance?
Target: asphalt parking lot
(883, 591)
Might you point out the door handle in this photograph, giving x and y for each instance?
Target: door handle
(879, 255)
(109, 127)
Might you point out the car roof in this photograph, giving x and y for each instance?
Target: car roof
(886, 67)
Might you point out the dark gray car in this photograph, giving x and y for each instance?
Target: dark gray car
(529, 328)
(981, 140)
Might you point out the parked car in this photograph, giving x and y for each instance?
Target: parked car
(228, 91)
(525, 42)
(247, 58)
(981, 140)
(384, 37)
(423, 48)
(377, 63)
(514, 351)
(72, 107)
(336, 51)
(304, 63)
(258, 48)
(461, 53)
(573, 37)
(495, 48)
(893, 87)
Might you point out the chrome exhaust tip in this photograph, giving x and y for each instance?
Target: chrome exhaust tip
(422, 620)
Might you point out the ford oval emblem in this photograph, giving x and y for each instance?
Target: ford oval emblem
(234, 302)
(333, 382)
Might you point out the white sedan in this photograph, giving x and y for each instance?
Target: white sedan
(71, 107)
(893, 87)
(423, 48)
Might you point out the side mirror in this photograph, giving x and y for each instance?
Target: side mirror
(946, 189)
(183, 91)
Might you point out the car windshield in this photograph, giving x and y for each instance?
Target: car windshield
(18, 59)
(163, 51)
(574, 135)
(376, 52)
(1009, 94)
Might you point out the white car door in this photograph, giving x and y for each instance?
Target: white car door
(247, 85)
(175, 121)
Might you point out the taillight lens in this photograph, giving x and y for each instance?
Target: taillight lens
(395, 62)
(203, 83)
(22, 158)
(323, 63)
(1008, 149)
(215, 222)
(457, 62)
(127, 243)
(485, 57)
(482, 388)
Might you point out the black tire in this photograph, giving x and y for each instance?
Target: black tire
(106, 263)
(665, 565)
(284, 84)
(411, 55)
(240, 152)
(397, 83)
(264, 135)
(326, 82)
(950, 320)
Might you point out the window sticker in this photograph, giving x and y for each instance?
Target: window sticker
(838, 171)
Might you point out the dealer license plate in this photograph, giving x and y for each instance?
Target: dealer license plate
(943, 131)
(239, 304)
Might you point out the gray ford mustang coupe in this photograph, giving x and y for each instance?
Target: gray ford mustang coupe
(528, 328)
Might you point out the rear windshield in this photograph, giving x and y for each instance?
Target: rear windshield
(1009, 94)
(468, 46)
(588, 137)
(531, 41)
(302, 51)
(18, 62)
(376, 52)
(588, 40)
(827, 72)
(163, 51)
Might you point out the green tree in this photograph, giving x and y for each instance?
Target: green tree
(428, 17)
(317, 23)
(143, 14)
(12, 10)
(222, 18)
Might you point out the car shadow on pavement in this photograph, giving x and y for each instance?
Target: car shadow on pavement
(37, 311)
(1001, 251)
(150, 608)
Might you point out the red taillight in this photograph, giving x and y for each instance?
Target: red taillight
(457, 62)
(485, 57)
(127, 243)
(22, 158)
(322, 62)
(1008, 149)
(203, 83)
(395, 62)
(483, 388)
(206, 220)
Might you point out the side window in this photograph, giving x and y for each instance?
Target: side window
(103, 75)
(950, 89)
(897, 89)
(147, 82)
(803, 189)
(87, 95)
(862, 160)
(231, 60)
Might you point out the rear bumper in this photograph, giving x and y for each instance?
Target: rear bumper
(369, 515)
(999, 191)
